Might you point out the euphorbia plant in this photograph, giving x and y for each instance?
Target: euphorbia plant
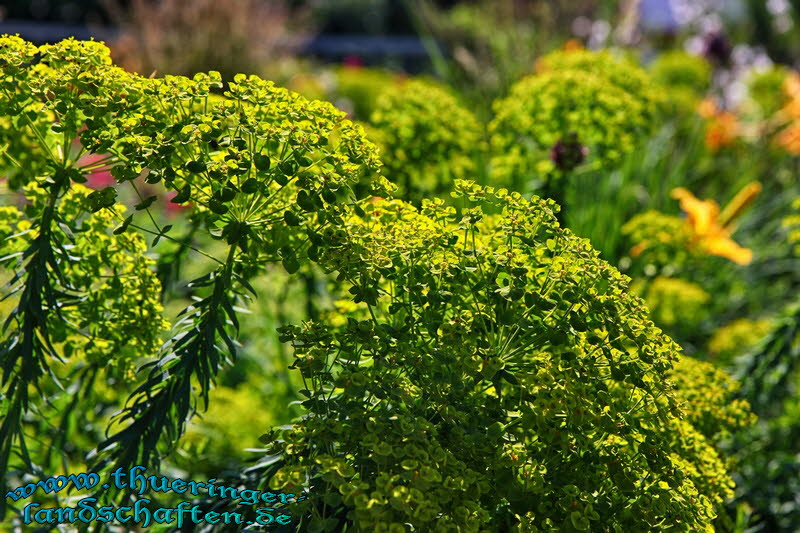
(581, 111)
(492, 373)
(497, 376)
(266, 170)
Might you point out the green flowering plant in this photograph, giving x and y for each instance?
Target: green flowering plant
(108, 319)
(264, 169)
(582, 110)
(673, 302)
(736, 338)
(678, 70)
(427, 138)
(687, 77)
(766, 90)
(487, 371)
(536, 396)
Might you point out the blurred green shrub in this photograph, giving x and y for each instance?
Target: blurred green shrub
(215, 441)
(680, 71)
(765, 89)
(361, 88)
(582, 111)
(686, 78)
(675, 303)
(736, 338)
(426, 137)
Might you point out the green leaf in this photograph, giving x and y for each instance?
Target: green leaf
(196, 166)
(103, 198)
(282, 179)
(217, 207)
(144, 204)
(226, 195)
(305, 201)
(291, 264)
(291, 218)
(261, 162)
(183, 195)
(579, 522)
(250, 186)
(124, 227)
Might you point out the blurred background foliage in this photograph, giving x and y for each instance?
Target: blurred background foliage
(610, 107)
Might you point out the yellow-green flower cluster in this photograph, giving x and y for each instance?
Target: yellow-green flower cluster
(792, 223)
(583, 109)
(680, 71)
(503, 374)
(657, 238)
(674, 301)
(708, 397)
(117, 315)
(686, 77)
(766, 90)
(427, 138)
(733, 339)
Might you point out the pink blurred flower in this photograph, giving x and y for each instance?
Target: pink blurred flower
(353, 61)
(174, 209)
(99, 176)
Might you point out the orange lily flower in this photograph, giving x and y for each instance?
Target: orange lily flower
(721, 131)
(789, 138)
(712, 229)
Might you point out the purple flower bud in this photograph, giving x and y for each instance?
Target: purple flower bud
(717, 48)
(568, 153)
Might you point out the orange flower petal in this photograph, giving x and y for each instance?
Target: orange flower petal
(725, 247)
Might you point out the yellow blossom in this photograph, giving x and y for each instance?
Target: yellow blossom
(707, 108)
(711, 229)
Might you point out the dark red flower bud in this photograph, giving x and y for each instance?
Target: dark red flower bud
(568, 153)
(717, 48)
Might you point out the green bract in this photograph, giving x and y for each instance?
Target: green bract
(582, 110)
(427, 138)
(501, 375)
